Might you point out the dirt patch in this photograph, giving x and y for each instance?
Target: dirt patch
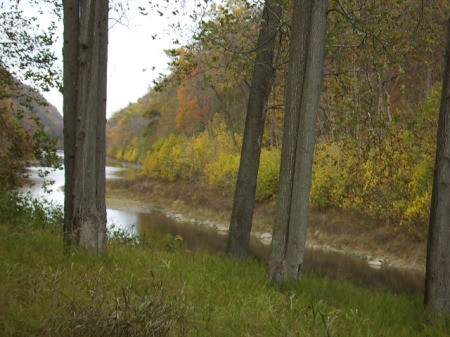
(330, 230)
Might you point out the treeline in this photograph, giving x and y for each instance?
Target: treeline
(377, 122)
(30, 129)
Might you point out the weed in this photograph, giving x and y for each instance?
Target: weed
(127, 313)
(123, 236)
(21, 210)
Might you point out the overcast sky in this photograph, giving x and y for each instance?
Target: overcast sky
(136, 46)
(132, 55)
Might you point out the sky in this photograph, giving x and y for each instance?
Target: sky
(135, 57)
(132, 56)
(136, 54)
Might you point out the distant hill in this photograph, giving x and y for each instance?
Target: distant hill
(32, 104)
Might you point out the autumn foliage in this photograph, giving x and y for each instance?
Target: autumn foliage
(376, 125)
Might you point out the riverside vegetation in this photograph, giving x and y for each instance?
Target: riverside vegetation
(377, 121)
(391, 183)
(152, 286)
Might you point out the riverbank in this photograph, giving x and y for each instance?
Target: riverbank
(158, 288)
(328, 230)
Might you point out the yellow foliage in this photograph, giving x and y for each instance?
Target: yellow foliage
(268, 175)
(222, 172)
(166, 160)
(391, 182)
(181, 157)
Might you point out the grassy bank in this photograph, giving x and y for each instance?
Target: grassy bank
(160, 289)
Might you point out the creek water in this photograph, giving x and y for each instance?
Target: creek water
(205, 238)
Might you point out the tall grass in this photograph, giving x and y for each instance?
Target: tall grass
(159, 288)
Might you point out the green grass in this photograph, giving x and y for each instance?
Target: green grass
(159, 289)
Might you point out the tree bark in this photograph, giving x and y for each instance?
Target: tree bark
(263, 76)
(304, 82)
(85, 59)
(70, 93)
(437, 282)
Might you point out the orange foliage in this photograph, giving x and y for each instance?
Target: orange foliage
(190, 114)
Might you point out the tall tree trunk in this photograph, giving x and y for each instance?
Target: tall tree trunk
(85, 68)
(304, 83)
(70, 55)
(437, 282)
(263, 75)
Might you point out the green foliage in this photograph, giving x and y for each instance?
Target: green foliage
(26, 50)
(19, 211)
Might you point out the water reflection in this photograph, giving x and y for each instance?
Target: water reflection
(195, 237)
(125, 221)
(201, 238)
(346, 267)
(328, 264)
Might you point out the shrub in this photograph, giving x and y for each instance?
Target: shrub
(391, 181)
(268, 174)
(198, 156)
(222, 172)
(329, 176)
(23, 210)
(167, 159)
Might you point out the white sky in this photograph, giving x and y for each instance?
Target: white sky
(132, 54)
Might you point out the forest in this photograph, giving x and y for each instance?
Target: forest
(333, 112)
(377, 121)
(31, 129)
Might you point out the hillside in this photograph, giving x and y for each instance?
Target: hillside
(33, 104)
(376, 126)
(24, 114)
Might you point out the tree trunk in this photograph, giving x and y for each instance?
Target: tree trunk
(437, 283)
(263, 75)
(70, 92)
(304, 82)
(85, 68)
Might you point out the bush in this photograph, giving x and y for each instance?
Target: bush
(391, 181)
(329, 176)
(23, 210)
(269, 170)
(168, 159)
(199, 156)
(222, 172)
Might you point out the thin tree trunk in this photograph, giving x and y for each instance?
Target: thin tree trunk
(85, 216)
(263, 75)
(437, 283)
(306, 64)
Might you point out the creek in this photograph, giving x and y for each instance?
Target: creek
(197, 237)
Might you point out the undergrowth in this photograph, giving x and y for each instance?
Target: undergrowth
(158, 288)
(388, 180)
